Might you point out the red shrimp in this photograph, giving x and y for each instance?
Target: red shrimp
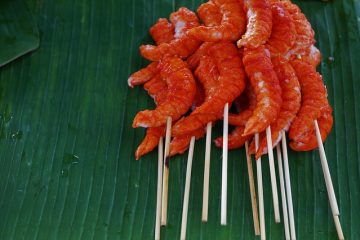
(259, 23)
(209, 14)
(181, 143)
(183, 45)
(283, 33)
(313, 56)
(291, 100)
(162, 31)
(181, 93)
(157, 89)
(232, 24)
(229, 85)
(313, 104)
(244, 115)
(267, 89)
(235, 138)
(194, 60)
(304, 32)
(143, 75)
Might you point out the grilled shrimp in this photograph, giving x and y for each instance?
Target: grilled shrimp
(230, 84)
(267, 89)
(291, 100)
(235, 138)
(314, 105)
(259, 23)
(181, 93)
(157, 89)
(283, 32)
(194, 60)
(231, 27)
(209, 14)
(162, 31)
(183, 45)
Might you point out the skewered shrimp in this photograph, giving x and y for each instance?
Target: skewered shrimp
(231, 27)
(183, 45)
(313, 104)
(313, 56)
(209, 14)
(235, 138)
(245, 113)
(283, 33)
(162, 31)
(230, 84)
(157, 89)
(194, 60)
(181, 92)
(259, 23)
(267, 89)
(291, 98)
(181, 143)
(143, 75)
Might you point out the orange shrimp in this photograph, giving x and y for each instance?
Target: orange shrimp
(143, 75)
(162, 31)
(232, 24)
(157, 89)
(259, 23)
(183, 45)
(314, 104)
(291, 97)
(180, 144)
(181, 93)
(229, 85)
(235, 138)
(304, 32)
(209, 14)
(245, 113)
(194, 60)
(267, 89)
(313, 56)
(283, 33)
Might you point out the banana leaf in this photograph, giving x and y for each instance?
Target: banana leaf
(67, 166)
(18, 31)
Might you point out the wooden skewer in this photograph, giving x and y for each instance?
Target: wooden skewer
(273, 175)
(328, 182)
(159, 189)
(283, 194)
(224, 166)
(288, 186)
(165, 183)
(205, 206)
(187, 190)
(260, 191)
(252, 190)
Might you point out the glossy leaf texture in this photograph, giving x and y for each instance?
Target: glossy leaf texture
(67, 166)
(18, 31)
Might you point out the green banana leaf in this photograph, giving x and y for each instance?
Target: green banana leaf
(18, 31)
(67, 166)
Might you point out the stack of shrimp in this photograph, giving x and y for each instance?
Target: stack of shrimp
(258, 55)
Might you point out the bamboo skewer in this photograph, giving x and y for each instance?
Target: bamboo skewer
(252, 190)
(288, 186)
(283, 194)
(260, 191)
(273, 175)
(187, 189)
(165, 187)
(328, 183)
(159, 189)
(224, 166)
(205, 205)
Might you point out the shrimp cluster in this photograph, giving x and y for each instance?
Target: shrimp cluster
(258, 55)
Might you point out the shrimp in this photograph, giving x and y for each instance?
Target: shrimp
(266, 86)
(143, 75)
(259, 23)
(235, 138)
(183, 45)
(209, 14)
(232, 24)
(291, 97)
(245, 113)
(314, 104)
(304, 32)
(194, 60)
(162, 31)
(181, 93)
(181, 143)
(283, 33)
(229, 85)
(157, 89)
(313, 56)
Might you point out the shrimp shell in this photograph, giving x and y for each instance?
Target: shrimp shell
(313, 102)
(181, 93)
(232, 24)
(209, 14)
(267, 89)
(183, 45)
(162, 31)
(259, 23)
(235, 138)
(230, 84)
